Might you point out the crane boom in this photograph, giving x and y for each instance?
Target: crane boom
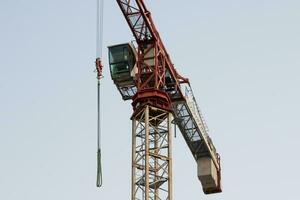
(147, 76)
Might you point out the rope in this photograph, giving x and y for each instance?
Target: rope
(99, 31)
(99, 164)
(99, 41)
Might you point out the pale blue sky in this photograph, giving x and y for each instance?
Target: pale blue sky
(243, 60)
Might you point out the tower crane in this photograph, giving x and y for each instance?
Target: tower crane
(145, 74)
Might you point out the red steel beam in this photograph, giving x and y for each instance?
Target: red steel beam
(141, 24)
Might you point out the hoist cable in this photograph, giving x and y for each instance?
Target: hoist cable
(99, 31)
(99, 164)
(99, 41)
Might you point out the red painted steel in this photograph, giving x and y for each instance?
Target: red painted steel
(150, 78)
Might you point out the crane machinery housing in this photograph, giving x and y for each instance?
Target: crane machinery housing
(145, 74)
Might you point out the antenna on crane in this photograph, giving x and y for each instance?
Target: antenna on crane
(98, 62)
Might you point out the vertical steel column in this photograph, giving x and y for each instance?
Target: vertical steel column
(147, 189)
(170, 183)
(156, 192)
(133, 186)
(151, 154)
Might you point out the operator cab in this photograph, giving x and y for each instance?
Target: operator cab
(122, 64)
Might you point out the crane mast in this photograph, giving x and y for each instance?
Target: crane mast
(160, 96)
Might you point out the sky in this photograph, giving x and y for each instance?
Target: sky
(243, 61)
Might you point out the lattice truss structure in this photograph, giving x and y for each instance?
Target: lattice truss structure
(135, 18)
(194, 131)
(151, 155)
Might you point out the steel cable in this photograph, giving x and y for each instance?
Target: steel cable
(99, 41)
